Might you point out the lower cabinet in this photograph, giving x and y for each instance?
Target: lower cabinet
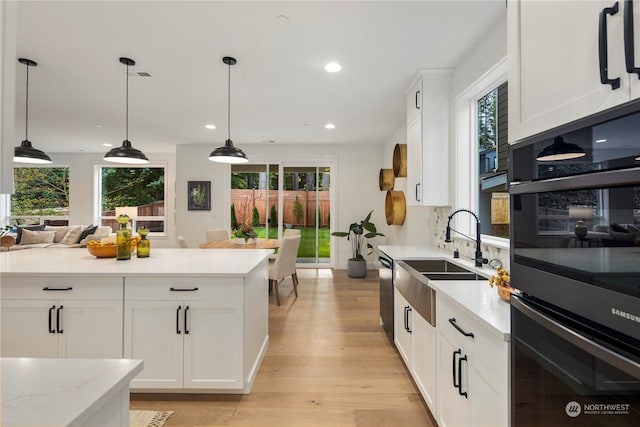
(473, 376)
(189, 331)
(66, 317)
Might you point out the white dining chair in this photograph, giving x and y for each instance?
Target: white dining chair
(217, 234)
(291, 232)
(285, 265)
(182, 242)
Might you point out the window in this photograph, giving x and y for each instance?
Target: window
(41, 196)
(142, 188)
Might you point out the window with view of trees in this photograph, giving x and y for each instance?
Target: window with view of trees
(140, 187)
(41, 195)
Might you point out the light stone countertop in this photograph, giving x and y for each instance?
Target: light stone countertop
(163, 261)
(476, 297)
(60, 392)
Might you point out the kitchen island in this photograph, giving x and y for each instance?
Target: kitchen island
(198, 318)
(65, 392)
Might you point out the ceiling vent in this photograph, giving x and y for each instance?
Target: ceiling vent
(139, 74)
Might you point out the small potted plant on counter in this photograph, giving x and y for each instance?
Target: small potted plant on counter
(358, 233)
(502, 282)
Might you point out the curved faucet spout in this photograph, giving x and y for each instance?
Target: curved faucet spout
(479, 260)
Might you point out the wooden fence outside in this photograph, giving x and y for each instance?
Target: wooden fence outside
(244, 200)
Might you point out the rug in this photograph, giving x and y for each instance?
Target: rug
(148, 418)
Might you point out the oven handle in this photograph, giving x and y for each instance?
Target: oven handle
(603, 353)
(385, 262)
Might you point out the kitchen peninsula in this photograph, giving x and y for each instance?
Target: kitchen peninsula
(198, 318)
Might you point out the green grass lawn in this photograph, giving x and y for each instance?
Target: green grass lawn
(307, 247)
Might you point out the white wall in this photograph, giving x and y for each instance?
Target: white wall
(354, 182)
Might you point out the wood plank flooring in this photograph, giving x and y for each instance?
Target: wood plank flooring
(329, 364)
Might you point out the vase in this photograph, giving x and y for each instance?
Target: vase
(505, 292)
(123, 242)
(144, 245)
(581, 230)
(357, 268)
(245, 241)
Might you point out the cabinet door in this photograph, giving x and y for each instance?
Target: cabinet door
(25, 328)
(554, 68)
(402, 322)
(414, 161)
(453, 409)
(213, 345)
(90, 329)
(424, 360)
(153, 331)
(488, 398)
(414, 101)
(635, 78)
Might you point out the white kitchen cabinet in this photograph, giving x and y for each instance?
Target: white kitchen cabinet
(473, 385)
(62, 317)
(189, 332)
(554, 66)
(428, 146)
(402, 314)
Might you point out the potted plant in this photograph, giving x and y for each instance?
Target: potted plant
(358, 234)
(245, 231)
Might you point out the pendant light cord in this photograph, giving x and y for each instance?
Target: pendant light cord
(26, 112)
(127, 108)
(229, 102)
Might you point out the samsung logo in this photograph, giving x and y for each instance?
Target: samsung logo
(625, 315)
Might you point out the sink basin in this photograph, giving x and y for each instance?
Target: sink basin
(435, 265)
(453, 276)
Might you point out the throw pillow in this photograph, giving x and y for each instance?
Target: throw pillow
(28, 227)
(60, 231)
(34, 237)
(73, 235)
(632, 228)
(618, 228)
(87, 231)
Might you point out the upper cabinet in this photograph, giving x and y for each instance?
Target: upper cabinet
(568, 60)
(428, 105)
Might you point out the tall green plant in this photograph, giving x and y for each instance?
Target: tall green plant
(255, 217)
(234, 219)
(298, 211)
(273, 216)
(357, 236)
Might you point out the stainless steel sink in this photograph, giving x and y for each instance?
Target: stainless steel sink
(435, 265)
(453, 276)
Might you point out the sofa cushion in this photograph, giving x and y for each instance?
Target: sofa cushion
(61, 231)
(27, 227)
(35, 237)
(73, 235)
(618, 228)
(87, 231)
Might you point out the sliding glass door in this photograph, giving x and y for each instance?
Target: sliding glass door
(254, 198)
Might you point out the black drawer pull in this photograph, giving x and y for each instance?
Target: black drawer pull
(46, 288)
(59, 329)
(455, 325)
(51, 330)
(603, 48)
(183, 289)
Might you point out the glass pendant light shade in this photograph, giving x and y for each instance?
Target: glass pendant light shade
(560, 150)
(126, 153)
(228, 153)
(25, 153)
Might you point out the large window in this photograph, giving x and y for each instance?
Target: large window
(142, 189)
(41, 196)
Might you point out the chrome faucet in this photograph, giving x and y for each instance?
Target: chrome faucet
(479, 260)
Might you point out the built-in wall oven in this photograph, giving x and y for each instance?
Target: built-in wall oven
(575, 256)
(386, 293)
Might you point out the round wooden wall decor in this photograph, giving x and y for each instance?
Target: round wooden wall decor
(386, 179)
(400, 160)
(395, 207)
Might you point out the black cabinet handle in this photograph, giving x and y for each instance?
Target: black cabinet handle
(462, 393)
(186, 328)
(417, 97)
(455, 325)
(409, 309)
(51, 330)
(183, 289)
(178, 320)
(58, 328)
(46, 288)
(629, 45)
(603, 49)
(406, 318)
(453, 367)
(417, 192)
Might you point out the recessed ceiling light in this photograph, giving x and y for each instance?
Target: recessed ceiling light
(332, 67)
(329, 126)
(271, 141)
(98, 126)
(106, 144)
(282, 19)
(210, 126)
(598, 141)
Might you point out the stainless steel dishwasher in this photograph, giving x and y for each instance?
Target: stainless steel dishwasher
(386, 293)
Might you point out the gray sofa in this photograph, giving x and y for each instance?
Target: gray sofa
(619, 234)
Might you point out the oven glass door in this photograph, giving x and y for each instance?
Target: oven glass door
(564, 376)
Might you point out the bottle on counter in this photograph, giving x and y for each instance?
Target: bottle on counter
(144, 245)
(123, 239)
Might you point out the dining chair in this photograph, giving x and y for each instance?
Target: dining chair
(217, 234)
(290, 232)
(285, 265)
(182, 242)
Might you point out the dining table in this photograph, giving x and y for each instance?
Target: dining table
(234, 244)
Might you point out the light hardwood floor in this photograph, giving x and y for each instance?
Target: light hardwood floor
(328, 364)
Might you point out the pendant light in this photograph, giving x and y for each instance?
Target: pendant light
(560, 150)
(25, 153)
(126, 153)
(228, 153)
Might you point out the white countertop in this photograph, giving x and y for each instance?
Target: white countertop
(477, 297)
(60, 392)
(163, 261)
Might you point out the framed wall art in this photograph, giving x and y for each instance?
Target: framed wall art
(199, 194)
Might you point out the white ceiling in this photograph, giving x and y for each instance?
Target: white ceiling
(279, 89)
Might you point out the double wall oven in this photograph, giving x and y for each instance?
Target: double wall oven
(575, 256)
